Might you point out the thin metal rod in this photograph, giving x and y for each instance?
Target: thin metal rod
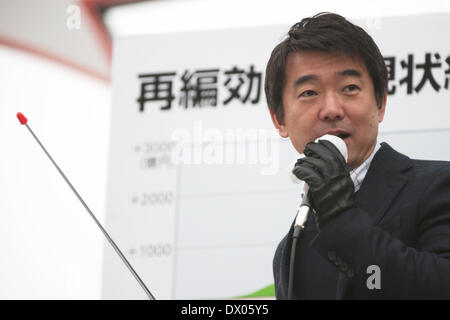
(116, 248)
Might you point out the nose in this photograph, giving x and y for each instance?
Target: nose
(331, 109)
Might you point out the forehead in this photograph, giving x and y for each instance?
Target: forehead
(321, 64)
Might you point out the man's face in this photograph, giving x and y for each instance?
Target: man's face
(330, 94)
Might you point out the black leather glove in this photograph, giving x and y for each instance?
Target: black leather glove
(331, 189)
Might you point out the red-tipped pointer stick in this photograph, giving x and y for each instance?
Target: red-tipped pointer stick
(23, 120)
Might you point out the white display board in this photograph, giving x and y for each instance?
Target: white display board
(199, 195)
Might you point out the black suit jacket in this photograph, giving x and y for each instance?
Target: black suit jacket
(400, 223)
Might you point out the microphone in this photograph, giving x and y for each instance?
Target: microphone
(23, 120)
(305, 206)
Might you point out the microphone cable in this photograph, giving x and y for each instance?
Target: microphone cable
(300, 220)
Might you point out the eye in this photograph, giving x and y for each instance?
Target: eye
(351, 88)
(308, 93)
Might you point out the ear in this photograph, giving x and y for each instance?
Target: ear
(280, 127)
(382, 109)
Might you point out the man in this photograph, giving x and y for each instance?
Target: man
(381, 222)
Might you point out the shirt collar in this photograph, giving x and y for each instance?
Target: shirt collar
(357, 175)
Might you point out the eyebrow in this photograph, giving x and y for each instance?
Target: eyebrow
(310, 77)
(350, 72)
(303, 79)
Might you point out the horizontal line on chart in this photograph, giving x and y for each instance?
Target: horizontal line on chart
(235, 141)
(414, 131)
(225, 246)
(240, 193)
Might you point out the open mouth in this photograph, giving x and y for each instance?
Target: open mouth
(343, 135)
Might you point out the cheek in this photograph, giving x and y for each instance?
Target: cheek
(366, 132)
(299, 140)
(300, 132)
(366, 121)
(373, 123)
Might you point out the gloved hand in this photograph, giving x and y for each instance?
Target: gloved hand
(331, 189)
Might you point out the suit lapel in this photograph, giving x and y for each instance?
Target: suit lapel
(384, 180)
